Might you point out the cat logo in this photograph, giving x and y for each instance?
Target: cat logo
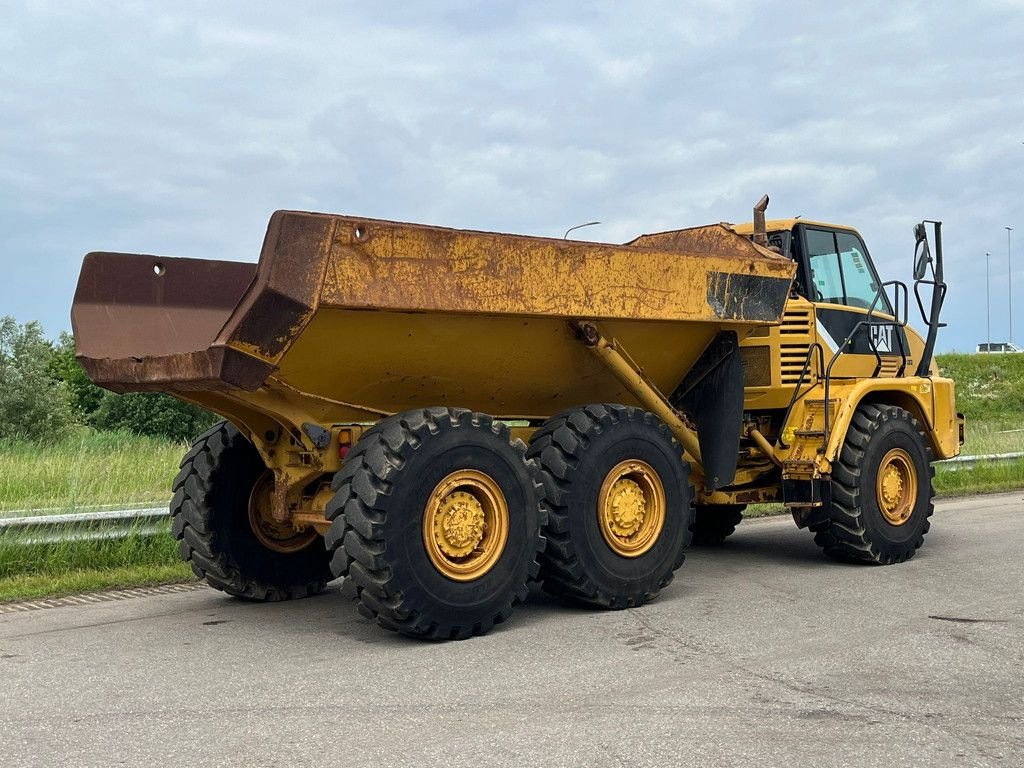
(881, 338)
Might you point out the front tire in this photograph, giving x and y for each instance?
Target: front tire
(881, 489)
(211, 519)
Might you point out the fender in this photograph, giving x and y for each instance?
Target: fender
(929, 399)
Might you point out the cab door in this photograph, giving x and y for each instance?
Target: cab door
(840, 280)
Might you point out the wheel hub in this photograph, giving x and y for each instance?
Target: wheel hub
(896, 486)
(892, 486)
(628, 507)
(277, 535)
(631, 508)
(459, 526)
(465, 525)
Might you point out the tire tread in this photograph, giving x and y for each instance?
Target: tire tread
(558, 447)
(713, 524)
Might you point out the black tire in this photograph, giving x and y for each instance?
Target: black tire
(576, 450)
(210, 519)
(714, 523)
(376, 536)
(857, 530)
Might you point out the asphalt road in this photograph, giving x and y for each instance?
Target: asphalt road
(762, 653)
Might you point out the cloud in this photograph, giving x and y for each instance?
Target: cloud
(179, 131)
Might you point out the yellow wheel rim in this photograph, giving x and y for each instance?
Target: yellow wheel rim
(631, 508)
(273, 534)
(465, 525)
(896, 486)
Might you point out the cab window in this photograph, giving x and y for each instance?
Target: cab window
(840, 272)
(858, 277)
(826, 281)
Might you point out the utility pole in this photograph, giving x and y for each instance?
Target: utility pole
(1009, 279)
(988, 307)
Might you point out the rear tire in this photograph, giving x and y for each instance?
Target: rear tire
(714, 523)
(862, 527)
(210, 519)
(579, 451)
(436, 523)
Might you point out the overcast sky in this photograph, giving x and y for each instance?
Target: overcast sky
(179, 131)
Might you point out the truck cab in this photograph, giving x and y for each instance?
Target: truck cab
(844, 340)
(838, 283)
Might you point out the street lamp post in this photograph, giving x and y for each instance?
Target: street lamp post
(1009, 279)
(988, 307)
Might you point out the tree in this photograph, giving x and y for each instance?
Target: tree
(144, 413)
(84, 395)
(34, 403)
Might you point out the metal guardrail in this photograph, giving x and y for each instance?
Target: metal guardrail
(86, 526)
(145, 521)
(968, 462)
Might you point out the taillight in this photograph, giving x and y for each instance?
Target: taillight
(344, 443)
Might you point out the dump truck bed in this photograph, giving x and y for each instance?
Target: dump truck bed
(368, 317)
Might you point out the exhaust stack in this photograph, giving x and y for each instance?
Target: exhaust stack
(760, 228)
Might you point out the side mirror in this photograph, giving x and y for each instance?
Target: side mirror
(922, 253)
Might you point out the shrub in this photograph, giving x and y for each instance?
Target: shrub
(151, 413)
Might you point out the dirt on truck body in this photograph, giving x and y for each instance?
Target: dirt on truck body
(440, 417)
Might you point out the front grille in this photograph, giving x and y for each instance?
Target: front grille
(796, 322)
(790, 340)
(791, 362)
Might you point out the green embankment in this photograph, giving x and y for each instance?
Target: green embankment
(90, 468)
(990, 393)
(29, 570)
(989, 388)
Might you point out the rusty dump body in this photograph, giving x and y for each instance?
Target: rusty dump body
(345, 319)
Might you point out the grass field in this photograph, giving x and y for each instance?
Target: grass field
(989, 388)
(89, 469)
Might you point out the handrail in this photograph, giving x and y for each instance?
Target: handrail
(941, 287)
(868, 322)
(897, 284)
(938, 290)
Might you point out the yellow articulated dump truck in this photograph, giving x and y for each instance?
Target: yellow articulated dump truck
(440, 417)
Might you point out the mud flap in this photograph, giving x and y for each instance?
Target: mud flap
(711, 394)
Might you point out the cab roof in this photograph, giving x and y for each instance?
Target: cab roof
(785, 225)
